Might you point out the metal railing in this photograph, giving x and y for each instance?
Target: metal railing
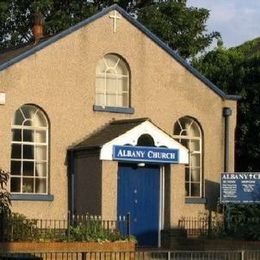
(16, 227)
(196, 226)
(204, 225)
(140, 255)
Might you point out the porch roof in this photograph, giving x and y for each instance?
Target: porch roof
(108, 132)
(127, 132)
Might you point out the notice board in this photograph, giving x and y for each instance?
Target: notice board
(240, 187)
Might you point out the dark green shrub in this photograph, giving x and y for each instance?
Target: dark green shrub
(244, 222)
(18, 228)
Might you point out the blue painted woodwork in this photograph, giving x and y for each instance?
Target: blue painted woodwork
(138, 194)
(240, 187)
(126, 110)
(145, 154)
(36, 197)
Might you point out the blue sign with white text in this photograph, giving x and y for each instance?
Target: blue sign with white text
(145, 154)
(241, 187)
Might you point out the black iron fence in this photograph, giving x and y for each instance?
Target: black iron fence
(73, 227)
(139, 255)
(196, 226)
(213, 225)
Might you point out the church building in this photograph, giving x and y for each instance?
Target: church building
(105, 119)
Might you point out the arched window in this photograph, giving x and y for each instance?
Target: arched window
(188, 132)
(29, 151)
(112, 82)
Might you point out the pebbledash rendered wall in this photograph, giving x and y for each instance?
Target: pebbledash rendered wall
(60, 79)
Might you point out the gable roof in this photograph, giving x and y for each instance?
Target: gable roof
(8, 59)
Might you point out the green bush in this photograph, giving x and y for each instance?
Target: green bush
(244, 222)
(16, 227)
(19, 228)
(57, 235)
(93, 231)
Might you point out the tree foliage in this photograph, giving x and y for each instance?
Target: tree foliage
(182, 28)
(16, 17)
(5, 201)
(237, 71)
(244, 222)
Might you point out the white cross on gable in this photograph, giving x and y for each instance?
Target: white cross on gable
(115, 16)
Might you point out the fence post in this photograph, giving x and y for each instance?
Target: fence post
(242, 255)
(209, 223)
(84, 255)
(128, 225)
(169, 255)
(68, 226)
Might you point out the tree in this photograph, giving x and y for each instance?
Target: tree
(237, 71)
(182, 28)
(16, 17)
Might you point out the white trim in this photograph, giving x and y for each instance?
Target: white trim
(161, 139)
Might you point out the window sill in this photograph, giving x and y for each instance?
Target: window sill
(123, 110)
(195, 200)
(32, 197)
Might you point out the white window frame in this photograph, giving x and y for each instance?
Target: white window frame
(34, 160)
(188, 138)
(112, 72)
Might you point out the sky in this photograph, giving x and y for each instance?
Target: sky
(236, 20)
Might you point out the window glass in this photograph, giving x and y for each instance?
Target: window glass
(16, 167)
(195, 174)
(41, 186)
(195, 190)
(27, 123)
(28, 111)
(28, 169)
(112, 82)
(28, 135)
(41, 169)
(28, 185)
(15, 184)
(16, 133)
(188, 133)
(16, 151)
(18, 118)
(29, 151)
(40, 136)
(41, 153)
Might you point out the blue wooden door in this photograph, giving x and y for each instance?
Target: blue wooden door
(138, 194)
